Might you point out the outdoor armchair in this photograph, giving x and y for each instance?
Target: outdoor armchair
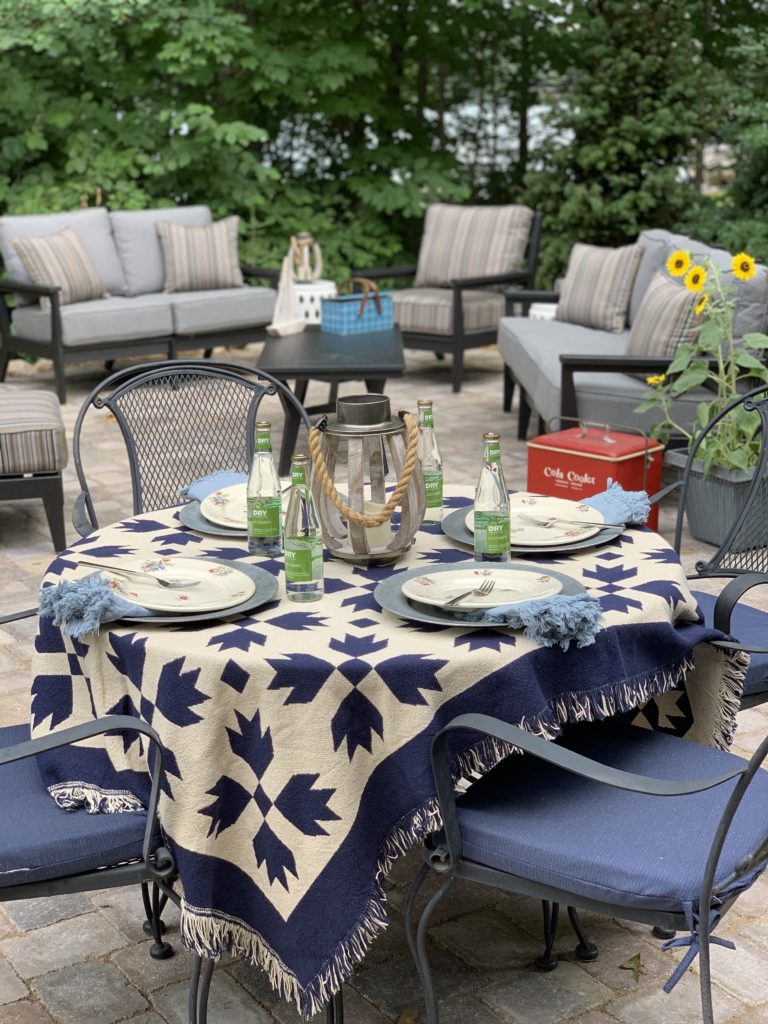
(615, 819)
(467, 255)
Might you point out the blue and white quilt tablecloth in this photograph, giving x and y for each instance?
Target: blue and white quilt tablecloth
(298, 737)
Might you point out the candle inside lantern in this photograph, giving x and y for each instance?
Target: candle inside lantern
(378, 536)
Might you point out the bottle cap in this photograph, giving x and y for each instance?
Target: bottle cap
(425, 402)
(489, 435)
(263, 425)
(300, 458)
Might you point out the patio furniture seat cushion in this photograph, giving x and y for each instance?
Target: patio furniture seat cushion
(619, 842)
(91, 226)
(221, 309)
(598, 286)
(91, 323)
(430, 310)
(39, 840)
(749, 626)
(533, 348)
(471, 241)
(138, 244)
(32, 437)
(200, 256)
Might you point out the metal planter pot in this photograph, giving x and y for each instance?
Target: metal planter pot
(714, 501)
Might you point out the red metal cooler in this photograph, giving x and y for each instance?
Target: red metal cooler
(578, 462)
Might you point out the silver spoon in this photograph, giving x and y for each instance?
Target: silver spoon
(170, 582)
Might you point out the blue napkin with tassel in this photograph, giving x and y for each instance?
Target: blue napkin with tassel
(619, 506)
(78, 607)
(200, 489)
(548, 621)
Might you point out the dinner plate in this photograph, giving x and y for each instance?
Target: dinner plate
(455, 527)
(522, 504)
(389, 594)
(217, 584)
(191, 516)
(227, 507)
(510, 586)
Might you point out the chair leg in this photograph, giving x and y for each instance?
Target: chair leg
(523, 416)
(422, 962)
(548, 961)
(147, 926)
(5, 357)
(53, 501)
(60, 377)
(410, 903)
(663, 933)
(457, 370)
(205, 988)
(194, 989)
(440, 356)
(334, 1011)
(705, 978)
(159, 950)
(585, 950)
(509, 388)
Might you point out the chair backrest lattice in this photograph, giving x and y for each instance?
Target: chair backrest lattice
(744, 547)
(181, 420)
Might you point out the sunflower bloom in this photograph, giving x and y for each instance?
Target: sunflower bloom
(696, 278)
(678, 263)
(701, 305)
(656, 379)
(743, 266)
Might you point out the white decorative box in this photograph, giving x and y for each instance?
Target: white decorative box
(309, 294)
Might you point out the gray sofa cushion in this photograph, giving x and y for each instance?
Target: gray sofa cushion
(751, 297)
(221, 309)
(103, 320)
(92, 228)
(532, 349)
(139, 246)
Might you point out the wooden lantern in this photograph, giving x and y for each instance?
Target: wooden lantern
(366, 450)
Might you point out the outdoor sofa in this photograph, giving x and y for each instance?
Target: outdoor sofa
(566, 369)
(138, 317)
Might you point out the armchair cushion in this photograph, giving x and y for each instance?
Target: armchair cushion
(138, 244)
(532, 819)
(91, 323)
(471, 241)
(39, 840)
(199, 257)
(60, 260)
(32, 437)
(430, 310)
(598, 285)
(221, 309)
(665, 319)
(90, 225)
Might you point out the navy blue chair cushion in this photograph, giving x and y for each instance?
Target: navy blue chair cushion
(39, 840)
(535, 820)
(750, 626)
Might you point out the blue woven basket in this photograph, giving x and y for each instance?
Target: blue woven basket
(351, 314)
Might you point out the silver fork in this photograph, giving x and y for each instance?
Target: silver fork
(485, 588)
(534, 521)
(170, 582)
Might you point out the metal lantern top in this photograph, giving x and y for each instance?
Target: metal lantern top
(367, 439)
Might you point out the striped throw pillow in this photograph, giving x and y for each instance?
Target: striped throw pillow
(200, 257)
(471, 241)
(665, 318)
(598, 285)
(60, 259)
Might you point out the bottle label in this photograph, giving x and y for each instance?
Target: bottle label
(299, 476)
(264, 517)
(263, 441)
(303, 559)
(433, 485)
(492, 532)
(492, 451)
(427, 420)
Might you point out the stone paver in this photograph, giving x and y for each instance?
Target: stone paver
(87, 956)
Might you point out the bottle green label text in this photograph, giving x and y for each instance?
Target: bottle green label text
(492, 532)
(433, 485)
(264, 517)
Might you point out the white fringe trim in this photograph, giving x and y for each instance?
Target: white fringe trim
(69, 795)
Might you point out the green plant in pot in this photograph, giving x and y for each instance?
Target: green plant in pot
(726, 366)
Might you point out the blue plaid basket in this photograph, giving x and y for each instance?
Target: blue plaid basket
(359, 313)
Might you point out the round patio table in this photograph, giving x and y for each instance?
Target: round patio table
(298, 737)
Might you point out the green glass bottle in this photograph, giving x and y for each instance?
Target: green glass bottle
(303, 538)
(264, 497)
(431, 463)
(491, 506)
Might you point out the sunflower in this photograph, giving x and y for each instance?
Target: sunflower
(678, 263)
(696, 278)
(743, 266)
(656, 379)
(700, 306)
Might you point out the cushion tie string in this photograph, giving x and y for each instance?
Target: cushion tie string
(693, 943)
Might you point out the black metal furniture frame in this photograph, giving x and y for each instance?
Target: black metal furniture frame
(12, 344)
(446, 856)
(457, 342)
(47, 486)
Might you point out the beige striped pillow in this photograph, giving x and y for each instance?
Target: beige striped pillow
(598, 286)
(665, 318)
(200, 257)
(471, 241)
(60, 259)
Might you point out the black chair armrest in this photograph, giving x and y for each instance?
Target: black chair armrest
(532, 295)
(513, 277)
(728, 598)
(377, 273)
(97, 727)
(268, 273)
(22, 288)
(570, 364)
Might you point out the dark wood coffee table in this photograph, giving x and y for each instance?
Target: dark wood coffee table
(314, 355)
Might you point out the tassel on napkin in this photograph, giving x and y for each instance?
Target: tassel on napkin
(549, 621)
(79, 607)
(619, 506)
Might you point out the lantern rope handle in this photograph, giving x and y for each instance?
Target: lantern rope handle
(409, 466)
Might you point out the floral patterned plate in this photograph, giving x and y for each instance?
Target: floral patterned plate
(227, 507)
(539, 521)
(504, 586)
(216, 585)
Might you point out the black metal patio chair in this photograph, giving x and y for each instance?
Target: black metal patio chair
(180, 420)
(617, 820)
(46, 851)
